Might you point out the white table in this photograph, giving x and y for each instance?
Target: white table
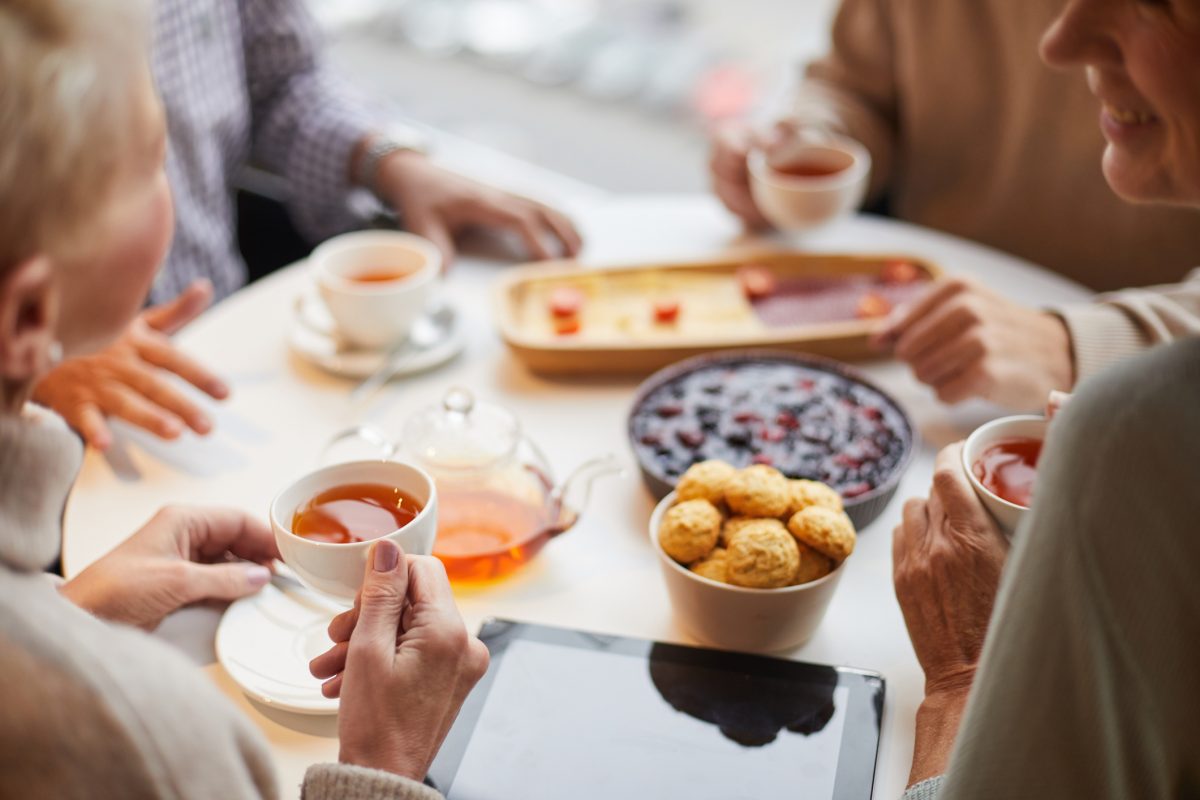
(600, 576)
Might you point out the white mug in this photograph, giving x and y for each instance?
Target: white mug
(337, 569)
(796, 202)
(375, 313)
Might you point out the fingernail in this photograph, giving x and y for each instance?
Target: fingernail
(387, 555)
(171, 429)
(257, 575)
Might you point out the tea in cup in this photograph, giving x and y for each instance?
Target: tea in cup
(809, 182)
(376, 283)
(1000, 459)
(325, 522)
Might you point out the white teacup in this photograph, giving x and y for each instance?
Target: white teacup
(337, 569)
(798, 202)
(1008, 514)
(376, 313)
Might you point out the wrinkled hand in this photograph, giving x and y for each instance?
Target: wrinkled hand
(947, 557)
(128, 380)
(966, 341)
(402, 662)
(439, 204)
(181, 556)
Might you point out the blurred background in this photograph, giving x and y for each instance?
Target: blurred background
(619, 94)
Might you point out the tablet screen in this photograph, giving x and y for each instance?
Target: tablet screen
(570, 714)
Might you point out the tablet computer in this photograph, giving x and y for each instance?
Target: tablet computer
(568, 714)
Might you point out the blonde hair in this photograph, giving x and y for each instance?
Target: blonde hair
(69, 81)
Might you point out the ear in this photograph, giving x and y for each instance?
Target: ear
(28, 320)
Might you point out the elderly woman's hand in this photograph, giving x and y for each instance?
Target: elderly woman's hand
(966, 341)
(182, 556)
(402, 663)
(130, 379)
(947, 557)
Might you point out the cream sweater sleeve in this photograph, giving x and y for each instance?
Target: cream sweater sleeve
(346, 782)
(1124, 323)
(852, 90)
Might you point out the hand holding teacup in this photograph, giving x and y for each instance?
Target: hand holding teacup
(795, 177)
(403, 646)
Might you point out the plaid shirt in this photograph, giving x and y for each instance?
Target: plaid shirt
(243, 80)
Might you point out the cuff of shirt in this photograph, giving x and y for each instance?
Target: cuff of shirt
(348, 782)
(925, 790)
(1100, 336)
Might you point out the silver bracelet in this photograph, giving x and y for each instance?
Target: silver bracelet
(380, 148)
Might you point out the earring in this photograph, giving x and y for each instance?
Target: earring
(55, 353)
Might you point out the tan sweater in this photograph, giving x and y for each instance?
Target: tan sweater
(971, 133)
(94, 710)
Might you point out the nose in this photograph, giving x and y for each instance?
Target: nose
(1082, 34)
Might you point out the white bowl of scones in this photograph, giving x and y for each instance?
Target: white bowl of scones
(751, 558)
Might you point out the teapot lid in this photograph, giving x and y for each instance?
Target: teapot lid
(460, 433)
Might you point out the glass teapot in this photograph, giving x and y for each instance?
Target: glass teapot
(498, 502)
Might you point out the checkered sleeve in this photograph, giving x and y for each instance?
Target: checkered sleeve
(305, 123)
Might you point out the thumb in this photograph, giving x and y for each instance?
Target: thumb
(382, 597)
(169, 317)
(227, 581)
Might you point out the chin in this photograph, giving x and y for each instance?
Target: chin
(1136, 181)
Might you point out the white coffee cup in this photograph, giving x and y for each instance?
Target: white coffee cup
(799, 202)
(376, 313)
(337, 569)
(1007, 513)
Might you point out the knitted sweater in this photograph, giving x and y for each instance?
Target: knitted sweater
(90, 709)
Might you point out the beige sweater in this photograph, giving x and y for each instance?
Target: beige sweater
(94, 710)
(970, 133)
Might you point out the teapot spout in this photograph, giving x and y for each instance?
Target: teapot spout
(571, 496)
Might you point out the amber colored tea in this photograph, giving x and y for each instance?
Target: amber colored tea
(380, 275)
(487, 534)
(354, 512)
(809, 169)
(1008, 469)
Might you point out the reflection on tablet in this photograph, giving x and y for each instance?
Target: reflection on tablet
(750, 712)
(563, 714)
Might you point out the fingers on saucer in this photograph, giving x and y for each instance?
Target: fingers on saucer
(331, 662)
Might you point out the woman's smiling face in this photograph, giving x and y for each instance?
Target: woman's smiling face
(1143, 63)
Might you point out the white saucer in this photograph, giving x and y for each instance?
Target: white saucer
(312, 338)
(265, 643)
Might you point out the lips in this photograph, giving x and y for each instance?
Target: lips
(1129, 116)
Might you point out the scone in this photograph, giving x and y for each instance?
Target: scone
(714, 566)
(812, 493)
(731, 526)
(826, 531)
(758, 491)
(704, 481)
(763, 556)
(689, 530)
(813, 565)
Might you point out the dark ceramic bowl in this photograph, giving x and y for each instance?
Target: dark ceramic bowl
(810, 417)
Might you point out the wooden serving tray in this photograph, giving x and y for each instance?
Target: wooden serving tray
(617, 331)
